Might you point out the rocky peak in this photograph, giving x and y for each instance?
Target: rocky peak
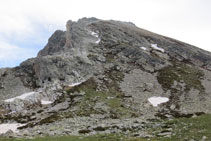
(108, 69)
(76, 40)
(56, 43)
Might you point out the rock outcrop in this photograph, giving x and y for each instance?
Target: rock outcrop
(105, 72)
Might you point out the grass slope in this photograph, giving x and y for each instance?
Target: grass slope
(183, 128)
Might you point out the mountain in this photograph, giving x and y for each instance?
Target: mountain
(104, 77)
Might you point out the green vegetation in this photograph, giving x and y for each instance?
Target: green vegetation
(192, 128)
(180, 72)
(90, 101)
(110, 98)
(188, 128)
(109, 57)
(110, 137)
(182, 128)
(92, 57)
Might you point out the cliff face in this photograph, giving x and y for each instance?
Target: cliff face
(106, 70)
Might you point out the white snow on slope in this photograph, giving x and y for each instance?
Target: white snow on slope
(94, 34)
(98, 41)
(157, 48)
(9, 126)
(155, 101)
(45, 102)
(23, 96)
(143, 48)
(75, 84)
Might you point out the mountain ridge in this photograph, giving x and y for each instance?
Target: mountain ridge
(105, 72)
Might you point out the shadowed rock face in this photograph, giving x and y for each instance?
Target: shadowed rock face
(55, 44)
(117, 67)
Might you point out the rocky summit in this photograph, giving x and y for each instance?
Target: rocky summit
(104, 77)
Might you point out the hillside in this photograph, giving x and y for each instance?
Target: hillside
(105, 77)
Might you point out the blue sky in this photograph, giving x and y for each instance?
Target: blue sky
(18, 47)
(16, 50)
(26, 25)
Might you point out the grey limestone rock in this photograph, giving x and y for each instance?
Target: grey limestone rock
(100, 72)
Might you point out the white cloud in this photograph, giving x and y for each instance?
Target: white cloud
(10, 53)
(34, 20)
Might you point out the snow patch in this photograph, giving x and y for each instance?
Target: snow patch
(155, 101)
(157, 48)
(12, 112)
(98, 41)
(10, 126)
(143, 48)
(45, 102)
(75, 84)
(23, 96)
(94, 34)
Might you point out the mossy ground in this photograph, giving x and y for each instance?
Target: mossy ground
(186, 129)
(181, 72)
(111, 97)
(183, 129)
(86, 105)
(192, 128)
(81, 138)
